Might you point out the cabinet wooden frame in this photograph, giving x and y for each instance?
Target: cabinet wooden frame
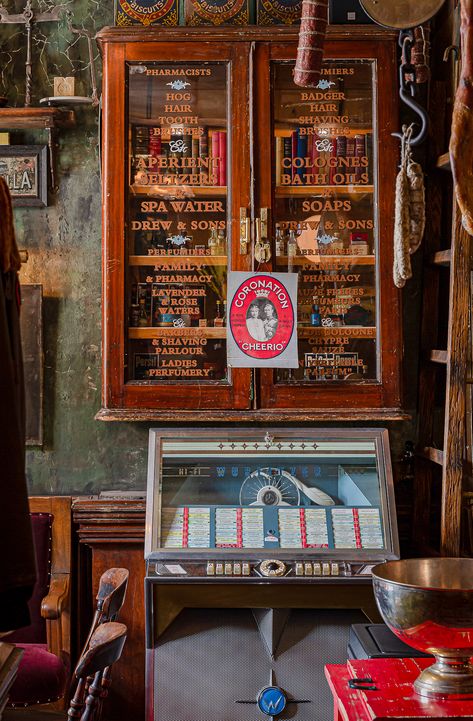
(117, 393)
(385, 393)
(249, 52)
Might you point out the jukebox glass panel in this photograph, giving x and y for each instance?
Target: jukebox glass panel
(177, 213)
(324, 176)
(236, 492)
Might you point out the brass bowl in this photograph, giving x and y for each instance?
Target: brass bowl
(428, 604)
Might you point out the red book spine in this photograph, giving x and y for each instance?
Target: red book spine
(360, 152)
(222, 145)
(294, 153)
(333, 166)
(215, 156)
(154, 145)
(350, 151)
(315, 156)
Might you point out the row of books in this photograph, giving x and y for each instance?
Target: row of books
(204, 155)
(315, 160)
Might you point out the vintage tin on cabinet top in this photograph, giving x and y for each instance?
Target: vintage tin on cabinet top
(278, 504)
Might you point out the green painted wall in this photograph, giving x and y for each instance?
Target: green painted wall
(80, 455)
(64, 244)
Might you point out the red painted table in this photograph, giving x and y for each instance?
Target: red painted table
(394, 696)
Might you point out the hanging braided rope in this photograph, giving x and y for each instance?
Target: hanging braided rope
(314, 18)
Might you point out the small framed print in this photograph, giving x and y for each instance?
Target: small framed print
(25, 168)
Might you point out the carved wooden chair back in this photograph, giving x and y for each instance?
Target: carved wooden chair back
(104, 648)
(110, 597)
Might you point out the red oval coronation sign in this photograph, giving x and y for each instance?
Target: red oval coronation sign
(261, 317)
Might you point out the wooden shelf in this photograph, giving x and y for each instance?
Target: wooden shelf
(349, 331)
(288, 191)
(267, 417)
(442, 257)
(438, 356)
(326, 259)
(347, 132)
(211, 123)
(443, 162)
(150, 333)
(180, 191)
(45, 118)
(435, 455)
(173, 260)
(352, 331)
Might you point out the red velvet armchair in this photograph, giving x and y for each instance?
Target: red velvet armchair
(44, 669)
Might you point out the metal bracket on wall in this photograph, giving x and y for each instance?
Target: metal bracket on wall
(407, 87)
(52, 145)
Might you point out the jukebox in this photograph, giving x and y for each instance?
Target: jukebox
(259, 547)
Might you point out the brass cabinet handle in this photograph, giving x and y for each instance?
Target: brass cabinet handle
(244, 231)
(262, 245)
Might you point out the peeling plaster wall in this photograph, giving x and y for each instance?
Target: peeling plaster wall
(81, 455)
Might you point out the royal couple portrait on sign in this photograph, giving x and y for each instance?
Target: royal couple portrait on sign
(262, 320)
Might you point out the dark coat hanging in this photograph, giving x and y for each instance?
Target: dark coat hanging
(17, 566)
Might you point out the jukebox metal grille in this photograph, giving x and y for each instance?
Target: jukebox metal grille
(210, 664)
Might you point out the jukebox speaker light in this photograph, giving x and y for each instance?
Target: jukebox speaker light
(259, 548)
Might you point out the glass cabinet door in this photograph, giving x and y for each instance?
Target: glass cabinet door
(181, 192)
(330, 162)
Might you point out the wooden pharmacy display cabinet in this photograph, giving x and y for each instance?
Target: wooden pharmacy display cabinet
(214, 160)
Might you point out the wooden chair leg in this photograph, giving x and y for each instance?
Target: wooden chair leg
(77, 702)
(92, 698)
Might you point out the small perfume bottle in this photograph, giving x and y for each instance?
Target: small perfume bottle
(218, 320)
(222, 242)
(134, 315)
(279, 241)
(213, 242)
(315, 318)
(337, 246)
(142, 317)
(291, 245)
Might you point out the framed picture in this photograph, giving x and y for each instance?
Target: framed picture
(25, 168)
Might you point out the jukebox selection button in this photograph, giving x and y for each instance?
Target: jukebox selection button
(237, 569)
(317, 569)
(245, 569)
(308, 569)
(211, 568)
(299, 569)
(228, 569)
(219, 569)
(335, 569)
(272, 567)
(325, 569)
